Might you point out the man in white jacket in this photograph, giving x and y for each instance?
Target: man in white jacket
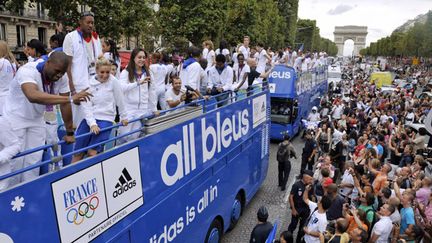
(191, 72)
(220, 80)
(83, 47)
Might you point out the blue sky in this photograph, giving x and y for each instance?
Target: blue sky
(381, 16)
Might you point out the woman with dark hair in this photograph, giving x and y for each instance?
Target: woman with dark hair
(139, 93)
(56, 42)
(34, 50)
(109, 48)
(223, 49)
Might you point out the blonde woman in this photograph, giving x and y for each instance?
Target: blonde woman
(100, 111)
(211, 55)
(8, 68)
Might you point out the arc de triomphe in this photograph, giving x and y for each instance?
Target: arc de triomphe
(356, 33)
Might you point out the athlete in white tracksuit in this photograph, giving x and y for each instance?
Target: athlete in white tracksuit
(159, 74)
(140, 100)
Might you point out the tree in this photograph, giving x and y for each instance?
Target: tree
(308, 34)
(269, 27)
(415, 42)
(240, 20)
(195, 20)
(65, 13)
(288, 10)
(109, 17)
(305, 33)
(137, 20)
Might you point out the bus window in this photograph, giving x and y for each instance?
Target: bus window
(281, 110)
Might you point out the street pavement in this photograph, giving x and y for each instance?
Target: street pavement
(270, 196)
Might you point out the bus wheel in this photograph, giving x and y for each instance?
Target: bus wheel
(236, 211)
(214, 233)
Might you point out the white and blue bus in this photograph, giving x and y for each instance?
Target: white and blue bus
(292, 97)
(187, 180)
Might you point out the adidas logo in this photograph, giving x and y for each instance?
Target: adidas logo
(125, 182)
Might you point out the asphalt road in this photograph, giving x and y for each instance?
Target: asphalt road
(269, 195)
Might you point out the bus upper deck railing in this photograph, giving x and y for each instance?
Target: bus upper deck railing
(207, 105)
(306, 81)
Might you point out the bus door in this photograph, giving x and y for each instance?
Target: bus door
(295, 117)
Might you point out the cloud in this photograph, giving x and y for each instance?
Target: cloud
(376, 30)
(340, 9)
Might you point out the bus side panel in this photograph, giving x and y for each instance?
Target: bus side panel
(277, 130)
(189, 220)
(148, 186)
(26, 210)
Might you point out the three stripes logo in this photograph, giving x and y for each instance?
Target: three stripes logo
(125, 182)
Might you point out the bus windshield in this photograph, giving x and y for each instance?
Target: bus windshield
(334, 75)
(281, 110)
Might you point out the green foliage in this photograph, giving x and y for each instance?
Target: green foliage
(178, 22)
(305, 33)
(240, 21)
(308, 35)
(197, 21)
(109, 17)
(113, 18)
(415, 42)
(288, 10)
(270, 26)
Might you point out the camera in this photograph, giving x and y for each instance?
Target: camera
(189, 94)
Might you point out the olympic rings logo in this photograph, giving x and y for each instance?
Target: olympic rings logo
(84, 210)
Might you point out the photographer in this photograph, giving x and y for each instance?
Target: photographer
(178, 97)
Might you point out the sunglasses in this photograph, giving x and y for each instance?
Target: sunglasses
(86, 14)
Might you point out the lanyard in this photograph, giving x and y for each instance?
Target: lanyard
(239, 72)
(85, 48)
(48, 87)
(139, 76)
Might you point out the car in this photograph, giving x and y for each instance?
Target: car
(417, 126)
(425, 95)
(334, 75)
(404, 84)
(388, 89)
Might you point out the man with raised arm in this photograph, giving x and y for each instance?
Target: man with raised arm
(317, 221)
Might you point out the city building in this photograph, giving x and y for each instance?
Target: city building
(28, 23)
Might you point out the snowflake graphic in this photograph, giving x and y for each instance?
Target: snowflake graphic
(17, 204)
